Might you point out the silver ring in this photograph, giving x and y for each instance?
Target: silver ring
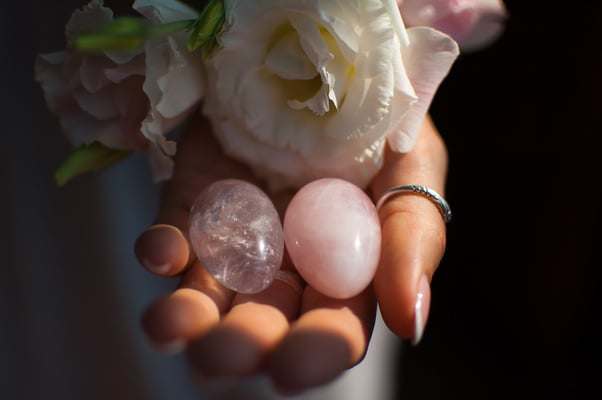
(427, 192)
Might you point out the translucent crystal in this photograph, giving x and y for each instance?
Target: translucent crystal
(333, 236)
(236, 234)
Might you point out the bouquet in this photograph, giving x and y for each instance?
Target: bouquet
(298, 90)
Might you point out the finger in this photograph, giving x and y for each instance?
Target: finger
(163, 248)
(330, 336)
(414, 234)
(194, 308)
(252, 328)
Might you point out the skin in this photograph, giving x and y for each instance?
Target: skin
(280, 332)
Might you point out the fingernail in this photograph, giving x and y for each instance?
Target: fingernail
(162, 269)
(421, 309)
(162, 249)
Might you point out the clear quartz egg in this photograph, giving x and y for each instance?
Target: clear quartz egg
(237, 235)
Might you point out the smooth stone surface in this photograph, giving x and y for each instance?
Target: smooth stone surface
(236, 233)
(333, 236)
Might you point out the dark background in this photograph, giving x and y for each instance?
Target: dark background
(517, 296)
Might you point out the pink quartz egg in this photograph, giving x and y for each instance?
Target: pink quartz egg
(333, 236)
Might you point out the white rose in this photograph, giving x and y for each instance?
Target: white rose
(124, 100)
(306, 89)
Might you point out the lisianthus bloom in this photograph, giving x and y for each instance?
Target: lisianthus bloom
(474, 24)
(301, 90)
(125, 100)
(297, 89)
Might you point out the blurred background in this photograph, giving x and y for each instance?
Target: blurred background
(515, 300)
(71, 291)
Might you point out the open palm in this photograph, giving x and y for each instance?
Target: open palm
(300, 338)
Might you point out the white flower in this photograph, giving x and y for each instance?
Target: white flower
(303, 89)
(124, 100)
(174, 80)
(96, 97)
(474, 24)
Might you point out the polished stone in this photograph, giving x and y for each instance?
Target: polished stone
(333, 236)
(237, 235)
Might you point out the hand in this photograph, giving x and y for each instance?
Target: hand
(414, 234)
(299, 340)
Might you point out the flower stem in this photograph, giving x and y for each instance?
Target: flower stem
(126, 34)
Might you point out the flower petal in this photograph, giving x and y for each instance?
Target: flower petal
(164, 11)
(489, 26)
(428, 60)
(283, 62)
(91, 16)
(288, 60)
(379, 80)
(474, 24)
(342, 22)
(317, 51)
(121, 72)
(161, 165)
(182, 85)
(174, 86)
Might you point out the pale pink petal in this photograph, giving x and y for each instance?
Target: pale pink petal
(474, 24)
(164, 11)
(490, 25)
(98, 105)
(81, 128)
(161, 165)
(92, 74)
(182, 85)
(121, 72)
(174, 85)
(91, 16)
(428, 61)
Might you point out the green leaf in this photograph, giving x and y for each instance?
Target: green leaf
(85, 159)
(126, 34)
(207, 27)
(122, 34)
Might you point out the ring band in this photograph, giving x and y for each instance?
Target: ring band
(427, 192)
(291, 278)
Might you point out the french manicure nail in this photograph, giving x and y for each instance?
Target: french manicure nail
(162, 269)
(421, 309)
(162, 250)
